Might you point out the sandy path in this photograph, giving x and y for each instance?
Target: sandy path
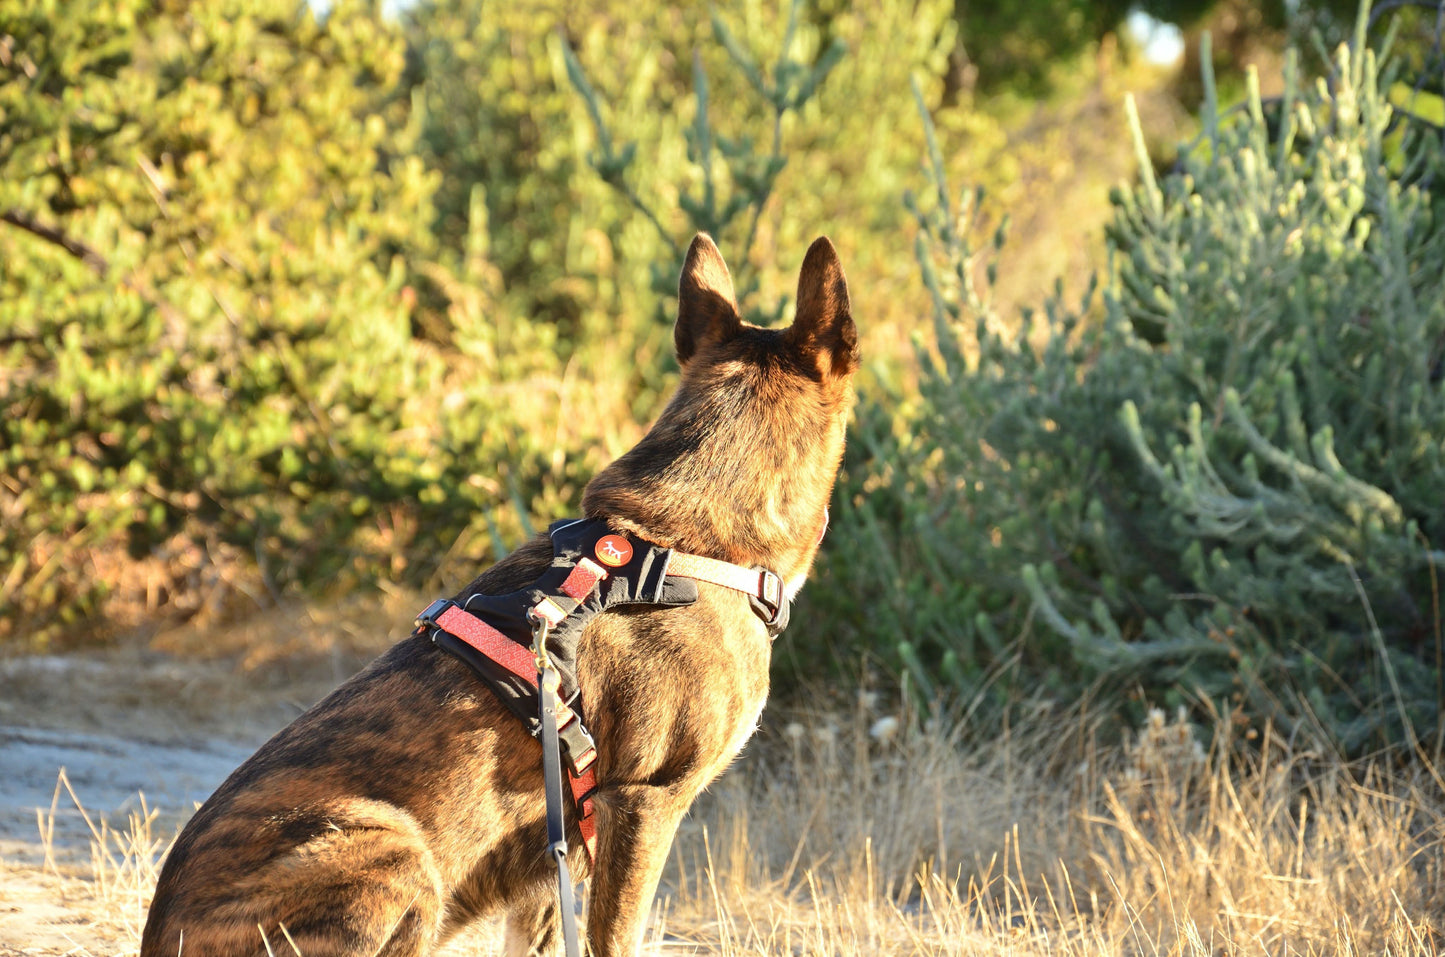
(138, 734)
(107, 772)
(120, 726)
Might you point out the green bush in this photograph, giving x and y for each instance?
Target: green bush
(1218, 475)
(209, 383)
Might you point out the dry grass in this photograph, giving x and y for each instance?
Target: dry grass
(846, 842)
(875, 834)
(124, 858)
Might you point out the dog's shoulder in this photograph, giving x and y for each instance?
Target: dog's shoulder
(517, 570)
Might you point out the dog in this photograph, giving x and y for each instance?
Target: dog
(409, 802)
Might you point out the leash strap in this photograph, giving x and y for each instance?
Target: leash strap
(547, 681)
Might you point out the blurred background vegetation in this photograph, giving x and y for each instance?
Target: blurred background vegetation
(307, 300)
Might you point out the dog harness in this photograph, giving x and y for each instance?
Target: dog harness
(513, 641)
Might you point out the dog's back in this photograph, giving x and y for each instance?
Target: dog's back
(409, 801)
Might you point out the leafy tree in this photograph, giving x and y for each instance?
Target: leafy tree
(252, 343)
(492, 121)
(1019, 46)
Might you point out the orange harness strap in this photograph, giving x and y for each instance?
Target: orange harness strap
(581, 772)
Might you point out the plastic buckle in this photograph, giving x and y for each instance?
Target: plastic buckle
(771, 602)
(430, 614)
(577, 747)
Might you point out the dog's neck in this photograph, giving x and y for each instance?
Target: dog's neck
(697, 529)
(747, 516)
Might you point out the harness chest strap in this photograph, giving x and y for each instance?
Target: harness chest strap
(763, 587)
(581, 752)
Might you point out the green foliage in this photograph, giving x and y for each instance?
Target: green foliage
(748, 176)
(492, 120)
(210, 217)
(501, 120)
(1220, 477)
(1016, 44)
(747, 125)
(292, 303)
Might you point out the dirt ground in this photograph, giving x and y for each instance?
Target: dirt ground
(119, 728)
(103, 755)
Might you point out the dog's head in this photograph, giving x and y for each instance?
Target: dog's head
(741, 463)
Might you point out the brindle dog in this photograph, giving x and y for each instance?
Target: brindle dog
(409, 802)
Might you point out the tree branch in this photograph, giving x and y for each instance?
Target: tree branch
(175, 322)
(75, 247)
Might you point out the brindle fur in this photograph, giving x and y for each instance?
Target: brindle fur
(409, 802)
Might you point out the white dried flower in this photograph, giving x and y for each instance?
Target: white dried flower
(884, 729)
(794, 731)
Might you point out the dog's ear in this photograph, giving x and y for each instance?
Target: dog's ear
(823, 332)
(707, 310)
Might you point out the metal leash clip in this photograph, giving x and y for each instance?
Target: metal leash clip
(541, 628)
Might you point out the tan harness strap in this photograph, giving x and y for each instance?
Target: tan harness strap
(747, 580)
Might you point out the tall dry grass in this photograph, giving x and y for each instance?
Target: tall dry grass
(871, 834)
(112, 894)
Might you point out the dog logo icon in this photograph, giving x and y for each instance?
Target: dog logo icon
(614, 550)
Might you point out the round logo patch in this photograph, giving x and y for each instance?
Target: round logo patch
(614, 550)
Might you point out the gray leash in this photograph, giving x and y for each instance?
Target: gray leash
(548, 681)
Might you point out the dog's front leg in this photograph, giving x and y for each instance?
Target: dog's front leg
(532, 927)
(634, 836)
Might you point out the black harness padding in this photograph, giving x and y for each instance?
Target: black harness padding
(643, 580)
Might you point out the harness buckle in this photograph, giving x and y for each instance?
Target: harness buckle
(430, 614)
(771, 600)
(578, 748)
